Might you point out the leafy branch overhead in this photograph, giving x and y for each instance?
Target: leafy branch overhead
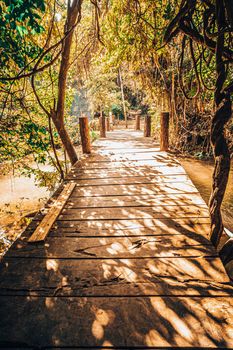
(19, 19)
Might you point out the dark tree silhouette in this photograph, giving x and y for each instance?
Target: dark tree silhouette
(215, 34)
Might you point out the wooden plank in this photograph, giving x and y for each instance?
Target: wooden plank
(131, 228)
(79, 229)
(121, 322)
(162, 158)
(128, 175)
(128, 167)
(119, 286)
(135, 201)
(104, 163)
(135, 212)
(119, 247)
(137, 147)
(127, 163)
(115, 277)
(132, 180)
(42, 230)
(120, 150)
(141, 189)
(123, 172)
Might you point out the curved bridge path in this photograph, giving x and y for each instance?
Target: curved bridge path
(126, 265)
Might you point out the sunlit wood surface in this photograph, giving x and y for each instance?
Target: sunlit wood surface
(126, 265)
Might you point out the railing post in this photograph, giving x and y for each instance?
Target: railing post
(147, 126)
(102, 126)
(137, 122)
(164, 131)
(85, 134)
(111, 118)
(107, 124)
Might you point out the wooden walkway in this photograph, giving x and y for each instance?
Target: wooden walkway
(127, 264)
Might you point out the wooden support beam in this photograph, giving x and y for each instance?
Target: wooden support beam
(102, 126)
(137, 122)
(164, 131)
(85, 134)
(147, 126)
(42, 230)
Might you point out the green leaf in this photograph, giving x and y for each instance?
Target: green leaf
(21, 30)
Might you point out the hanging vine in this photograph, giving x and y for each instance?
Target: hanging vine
(212, 34)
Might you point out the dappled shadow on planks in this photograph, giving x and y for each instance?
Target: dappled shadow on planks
(114, 302)
(128, 263)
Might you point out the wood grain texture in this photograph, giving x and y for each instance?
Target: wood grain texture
(136, 212)
(136, 201)
(120, 247)
(130, 189)
(85, 134)
(147, 126)
(164, 131)
(124, 322)
(127, 264)
(123, 171)
(112, 277)
(42, 230)
(130, 228)
(133, 180)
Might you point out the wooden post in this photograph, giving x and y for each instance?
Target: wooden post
(102, 126)
(137, 122)
(107, 124)
(111, 118)
(164, 131)
(85, 134)
(147, 126)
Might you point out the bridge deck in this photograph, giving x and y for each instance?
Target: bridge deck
(127, 264)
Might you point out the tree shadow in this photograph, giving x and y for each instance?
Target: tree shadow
(126, 265)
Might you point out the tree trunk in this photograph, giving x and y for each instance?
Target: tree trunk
(173, 97)
(218, 140)
(147, 126)
(85, 135)
(73, 15)
(65, 138)
(164, 131)
(56, 113)
(226, 253)
(123, 97)
(221, 171)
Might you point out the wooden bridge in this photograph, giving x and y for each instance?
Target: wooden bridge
(126, 265)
